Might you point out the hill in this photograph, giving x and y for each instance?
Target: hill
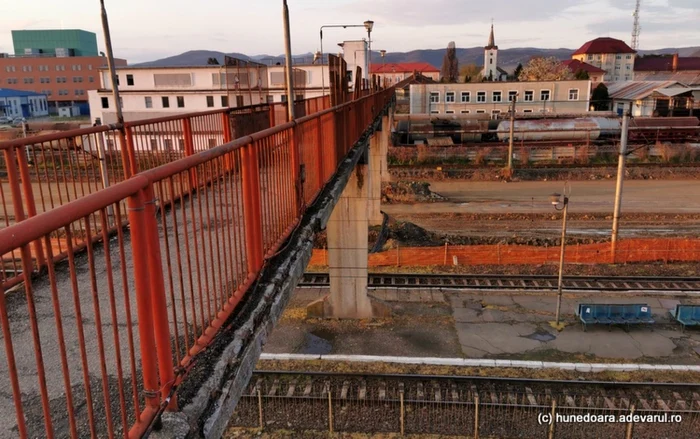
(507, 58)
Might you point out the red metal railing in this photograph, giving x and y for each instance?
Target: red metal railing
(98, 346)
(44, 172)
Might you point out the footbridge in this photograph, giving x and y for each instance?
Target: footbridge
(144, 264)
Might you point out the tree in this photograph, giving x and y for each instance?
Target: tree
(470, 73)
(518, 70)
(600, 99)
(581, 74)
(212, 62)
(450, 65)
(545, 69)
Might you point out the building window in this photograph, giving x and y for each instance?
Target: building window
(105, 102)
(283, 98)
(496, 96)
(26, 68)
(491, 61)
(89, 66)
(239, 101)
(434, 97)
(628, 67)
(590, 57)
(449, 111)
(117, 79)
(121, 103)
(495, 114)
(617, 78)
(573, 94)
(527, 111)
(210, 101)
(28, 80)
(529, 95)
(60, 67)
(129, 79)
(512, 95)
(224, 101)
(91, 79)
(10, 69)
(270, 99)
(480, 111)
(544, 95)
(154, 144)
(148, 101)
(465, 111)
(617, 67)
(434, 111)
(165, 100)
(450, 97)
(628, 57)
(466, 96)
(618, 57)
(481, 96)
(180, 102)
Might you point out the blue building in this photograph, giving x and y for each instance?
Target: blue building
(22, 103)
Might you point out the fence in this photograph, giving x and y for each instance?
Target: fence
(100, 344)
(433, 409)
(44, 172)
(628, 250)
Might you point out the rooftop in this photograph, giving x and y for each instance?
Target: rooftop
(12, 93)
(635, 90)
(604, 45)
(665, 63)
(403, 67)
(575, 65)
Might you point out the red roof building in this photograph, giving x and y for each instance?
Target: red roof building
(613, 56)
(595, 74)
(394, 73)
(666, 64)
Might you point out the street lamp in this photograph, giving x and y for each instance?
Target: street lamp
(367, 25)
(563, 201)
(383, 54)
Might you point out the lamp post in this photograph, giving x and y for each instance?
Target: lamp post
(563, 200)
(369, 25)
(383, 54)
(344, 26)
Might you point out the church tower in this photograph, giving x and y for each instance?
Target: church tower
(491, 59)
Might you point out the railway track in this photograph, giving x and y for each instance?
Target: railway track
(517, 282)
(458, 405)
(550, 166)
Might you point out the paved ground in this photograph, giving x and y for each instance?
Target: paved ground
(669, 196)
(488, 325)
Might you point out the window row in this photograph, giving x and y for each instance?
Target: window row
(497, 96)
(492, 112)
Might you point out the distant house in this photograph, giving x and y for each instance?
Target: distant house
(595, 74)
(22, 103)
(654, 98)
(393, 73)
(668, 68)
(613, 56)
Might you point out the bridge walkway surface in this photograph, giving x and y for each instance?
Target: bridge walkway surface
(147, 301)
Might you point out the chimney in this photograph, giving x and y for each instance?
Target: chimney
(675, 62)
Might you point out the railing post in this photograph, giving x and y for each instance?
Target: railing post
(189, 148)
(552, 420)
(630, 424)
(476, 416)
(31, 205)
(296, 169)
(319, 153)
(130, 159)
(251, 210)
(159, 305)
(225, 123)
(147, 344)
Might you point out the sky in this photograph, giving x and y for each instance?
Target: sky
(144, 30)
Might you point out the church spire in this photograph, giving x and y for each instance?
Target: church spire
(492, 40)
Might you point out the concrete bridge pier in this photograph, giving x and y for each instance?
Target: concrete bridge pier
(358, 207)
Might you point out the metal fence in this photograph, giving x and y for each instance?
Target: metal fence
(99, 345)
(436, 409)
(38, 174)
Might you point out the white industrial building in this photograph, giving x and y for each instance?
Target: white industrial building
(149, 92)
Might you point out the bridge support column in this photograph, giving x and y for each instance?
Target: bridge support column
(347, 255)
(374, 208)
(385, 139)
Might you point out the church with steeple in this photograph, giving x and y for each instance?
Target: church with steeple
(491, 70)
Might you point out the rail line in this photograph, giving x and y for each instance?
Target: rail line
(518, 282)
(548, 166)
(460, 405)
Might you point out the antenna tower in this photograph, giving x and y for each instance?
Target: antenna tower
(636, 29)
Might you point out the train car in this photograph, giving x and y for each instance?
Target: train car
(412, 129)
(587, 128)
(653, 129)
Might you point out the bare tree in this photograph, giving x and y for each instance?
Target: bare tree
(545, 69)
(450, 65)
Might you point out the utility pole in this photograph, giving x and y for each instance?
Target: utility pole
(512, 132)
(288, 56)
(620, 178)
(110, 64)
